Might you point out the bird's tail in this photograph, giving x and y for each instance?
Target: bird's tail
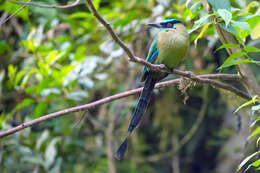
(139, 111)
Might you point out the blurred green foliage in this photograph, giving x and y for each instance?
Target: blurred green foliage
(52, 59)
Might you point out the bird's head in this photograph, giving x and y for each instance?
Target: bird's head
(165, 24)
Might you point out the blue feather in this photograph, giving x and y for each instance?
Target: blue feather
(151, 57)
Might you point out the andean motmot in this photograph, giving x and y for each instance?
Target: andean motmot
(169, 47)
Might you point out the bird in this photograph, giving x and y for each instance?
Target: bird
(169, 47)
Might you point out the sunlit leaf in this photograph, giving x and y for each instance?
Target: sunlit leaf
(27, 77)
(246, 160)
(11, 72)
(195, 6)
(220, 4)
(11, 8)
(205, 27)
(228, 62)
(256, 163)
(255, 34)
(225, 15)
(228, 46)
(255, 132)
(257, 142)
(80, 15)
(254, 122)
(40, 109)
(241, 25)
(198, 23)
(251, 49)
(255, 108)
(19, 76)
(26, 102)
(229, 28)
(254, 99)
(1, 119)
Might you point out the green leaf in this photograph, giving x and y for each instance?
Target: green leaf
(78, 95)
(246, 160)
(228, 62)
(1, 119)
(251, 49)
(40, 109)
(96, 3)
(220, 4)
(43, 68)
(255, 132)
(254, 99)
(11, 72)
(27, 77)
(29, 44)
(32, 160)
(198, 23)
(257, 142)
(241, 25)
(256, 163)
(188, 4)
(195, 6)
(4, 47)
(12, 8)
(254, 122)
(80, 53)
(225, 15)
(243, 61)
(229, 28)
(255, 34)
(42, 138)
(54, 56)
(255, 108)
(78, 15)
(26, 102)
(228, 46)
(19, 76)
(51, 152)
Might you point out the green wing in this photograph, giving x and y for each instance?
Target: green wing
(152, 55)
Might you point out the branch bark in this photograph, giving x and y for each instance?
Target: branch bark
(206, 79)
(160, 67)
(12, 15)
(48, 6)
(247, 76)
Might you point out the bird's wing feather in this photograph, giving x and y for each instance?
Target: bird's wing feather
(152, 55)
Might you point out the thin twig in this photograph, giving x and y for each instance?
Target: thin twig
(8, 18)
(215, 83)
(48, 6)
(160, 67)
(118, 96)
(132, 57)
(247, 77)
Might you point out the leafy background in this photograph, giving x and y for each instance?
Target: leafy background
(52, 59)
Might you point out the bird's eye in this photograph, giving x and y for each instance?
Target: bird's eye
(169, 25)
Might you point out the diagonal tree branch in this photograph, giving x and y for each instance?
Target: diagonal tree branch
(160, 67)
(9, 17)
(247, 76)
(130, 54)
(207, 79)
(48, 6)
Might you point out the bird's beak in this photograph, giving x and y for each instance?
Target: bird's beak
(157, 25)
